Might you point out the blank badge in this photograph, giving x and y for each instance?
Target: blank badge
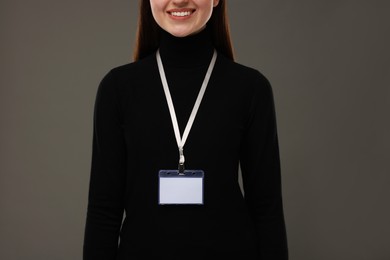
(180, 188)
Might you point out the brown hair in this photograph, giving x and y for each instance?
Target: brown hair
(147, 37)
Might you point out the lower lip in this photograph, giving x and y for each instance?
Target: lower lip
(181, 17)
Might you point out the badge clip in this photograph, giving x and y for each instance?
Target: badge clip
(181, 161)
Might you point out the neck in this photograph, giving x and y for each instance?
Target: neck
(190, 51)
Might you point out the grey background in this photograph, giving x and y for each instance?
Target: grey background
(328, 62)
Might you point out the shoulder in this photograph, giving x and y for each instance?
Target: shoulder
(132, 70)
(122, 77)
(244, 77)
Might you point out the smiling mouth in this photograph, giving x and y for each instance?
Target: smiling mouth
(181, 13)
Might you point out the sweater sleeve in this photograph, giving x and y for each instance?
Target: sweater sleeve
(261, 174)
(107, 176)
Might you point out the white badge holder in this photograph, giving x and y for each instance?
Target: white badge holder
(180, 188)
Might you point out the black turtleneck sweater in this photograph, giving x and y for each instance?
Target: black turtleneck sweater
(133, 139)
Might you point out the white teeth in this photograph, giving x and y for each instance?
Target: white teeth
(181, 13)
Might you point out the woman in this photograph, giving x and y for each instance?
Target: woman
(172, 166)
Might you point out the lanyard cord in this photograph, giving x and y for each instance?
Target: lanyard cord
(181, 140)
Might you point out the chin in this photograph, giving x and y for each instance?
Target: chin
(184, 32)
(180, 34)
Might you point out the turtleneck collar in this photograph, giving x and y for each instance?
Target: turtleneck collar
(188, 52)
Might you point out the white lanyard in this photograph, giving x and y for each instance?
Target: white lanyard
(181, 141)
